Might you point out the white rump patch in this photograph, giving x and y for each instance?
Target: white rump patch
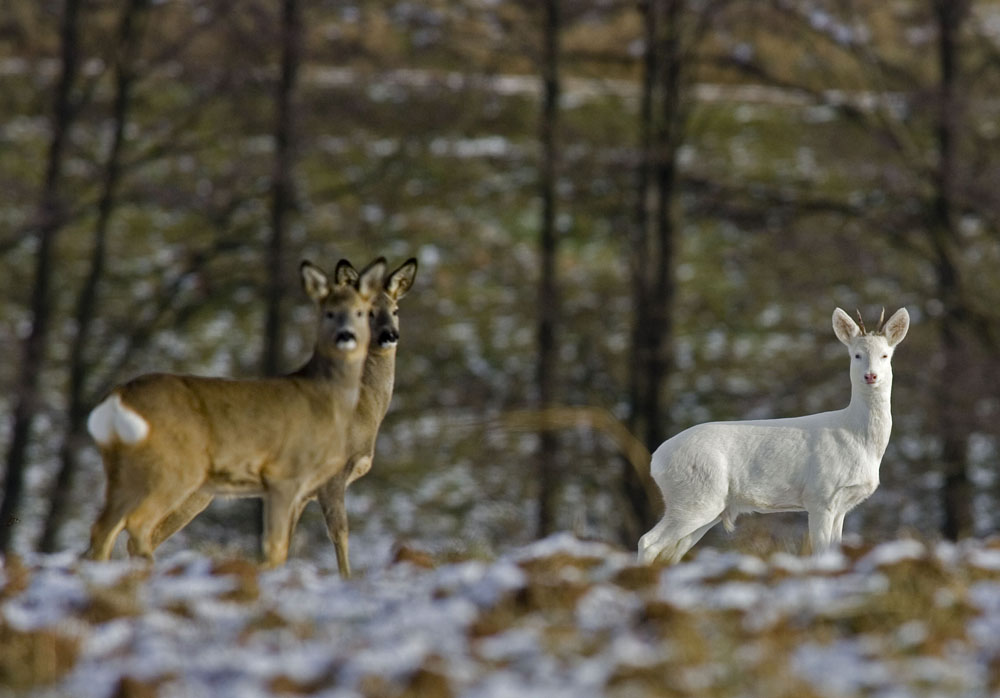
(113, 419)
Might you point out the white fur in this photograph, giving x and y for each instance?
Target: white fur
(112, 420)
(823, 463)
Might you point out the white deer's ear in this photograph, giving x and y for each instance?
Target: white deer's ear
(314, 281)
(401, 280)
(895, 329)
(844, 327)
(345, 274)
(370, 279)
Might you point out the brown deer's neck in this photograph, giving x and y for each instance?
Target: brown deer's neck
(338, 373)
(377, 381)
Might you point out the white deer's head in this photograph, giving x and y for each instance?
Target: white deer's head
(871, 353)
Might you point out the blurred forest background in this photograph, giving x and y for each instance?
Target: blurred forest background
(648, 208)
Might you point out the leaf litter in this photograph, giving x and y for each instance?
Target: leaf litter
(559, 617)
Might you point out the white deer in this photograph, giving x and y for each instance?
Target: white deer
(824, 464)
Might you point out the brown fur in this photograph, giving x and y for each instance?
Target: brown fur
(279, 438)
(376, 392)
(377, 380)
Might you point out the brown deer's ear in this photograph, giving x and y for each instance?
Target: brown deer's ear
(345, 274)
(315, 281)
(370, 278)
(401, 280)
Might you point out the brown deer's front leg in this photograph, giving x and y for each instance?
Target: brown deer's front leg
(281, 503)
(332, 500)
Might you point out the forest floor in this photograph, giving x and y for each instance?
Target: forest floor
(560, 617)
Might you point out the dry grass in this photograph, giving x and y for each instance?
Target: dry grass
(245, 574)
(120, 600)
(34, 658)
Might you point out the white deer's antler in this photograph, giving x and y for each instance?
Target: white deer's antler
(861, 322)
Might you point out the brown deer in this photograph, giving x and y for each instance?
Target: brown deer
(166, 437)
(376, 392)
(377, 380)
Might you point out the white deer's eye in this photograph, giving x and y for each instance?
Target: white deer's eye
(885, 356)
(857, 356)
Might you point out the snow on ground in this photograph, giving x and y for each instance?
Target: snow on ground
(560, 617)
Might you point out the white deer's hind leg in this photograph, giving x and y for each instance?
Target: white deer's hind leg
(689, 541)
(671, 538)
(654, 541)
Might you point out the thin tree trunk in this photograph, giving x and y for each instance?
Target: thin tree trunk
(282, 203)
(282, 194)
(50, 220)
(548, 302)
(957, 491)
(641, 517)
(128, 41)
(661, 304)
(653, 244)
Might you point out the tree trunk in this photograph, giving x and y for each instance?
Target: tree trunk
(660, 338)
(640, 516)
(957, 491)
(128, 40)
(282, 193)
(282, 204)
(653, 245)
(50, 220)
(548, 302)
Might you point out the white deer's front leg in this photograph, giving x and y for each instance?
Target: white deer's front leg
(838, 528)
(823, 532)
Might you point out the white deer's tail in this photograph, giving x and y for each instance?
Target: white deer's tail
(112, 420)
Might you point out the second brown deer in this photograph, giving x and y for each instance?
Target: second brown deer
(376, 392)
(166, 437)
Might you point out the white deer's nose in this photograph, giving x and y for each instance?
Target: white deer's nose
(870, 378)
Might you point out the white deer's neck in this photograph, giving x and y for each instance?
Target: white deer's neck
(869, 412)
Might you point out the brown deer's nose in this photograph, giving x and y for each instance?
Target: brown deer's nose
(388, 338)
